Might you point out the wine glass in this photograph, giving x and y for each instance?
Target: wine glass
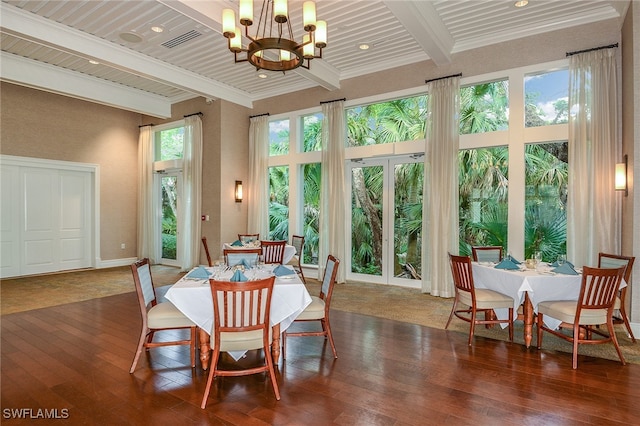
(538, 257)
(562, 258)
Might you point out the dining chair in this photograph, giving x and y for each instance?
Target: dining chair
(206, 251)
(235, 256)
(157, 316)
(318, 310)
(248, 237)
(273, 251)
(477, 299)
(297, 241)
(241, 323)
(594, 307)
(487, 253)
(606, 260)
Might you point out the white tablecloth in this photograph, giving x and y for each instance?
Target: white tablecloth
(193, 298)
(289, 251)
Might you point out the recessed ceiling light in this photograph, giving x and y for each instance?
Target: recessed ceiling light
(363, 46)
(521, 3)
(94, 62)
(157, 29)
(131, 37)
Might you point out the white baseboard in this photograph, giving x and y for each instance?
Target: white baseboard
(113, 263)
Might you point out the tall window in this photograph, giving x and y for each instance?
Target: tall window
(279, 203)
(312, 175)
(279, 137)
(546, 98)
(312, 132)
(484, 107)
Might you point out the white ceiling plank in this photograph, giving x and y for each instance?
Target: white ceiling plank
(26, 72)
(44, 31)
(423, 22)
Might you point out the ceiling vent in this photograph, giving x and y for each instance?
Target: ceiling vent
(176, 41)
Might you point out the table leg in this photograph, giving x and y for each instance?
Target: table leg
(528, 320)
(205, 348)
(275, 343)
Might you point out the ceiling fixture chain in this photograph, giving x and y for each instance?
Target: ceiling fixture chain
(273, 47)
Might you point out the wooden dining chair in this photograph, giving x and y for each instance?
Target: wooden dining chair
(477, 299)
(234, 256)
(487, 253)
(606, 260)
(241, 323)
(273, 251)
(157, 316)
(206, 251)
(248, 237)
(318, 310)
(594, 307)
(297, 241)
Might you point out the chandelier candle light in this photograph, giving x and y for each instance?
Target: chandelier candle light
(273, 47)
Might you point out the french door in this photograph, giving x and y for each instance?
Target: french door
(385, 220)
(170, 184)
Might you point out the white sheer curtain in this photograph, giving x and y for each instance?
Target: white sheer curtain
(257, 193)
(440, 203)
(190, 206)
(332, 207)
(593, 216)
(148, 220)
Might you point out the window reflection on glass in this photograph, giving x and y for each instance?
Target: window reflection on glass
(546, 174)
(483, 193)
(169, 144)
(484, 107)
(312, 133)
(279, 137)
(387, 122)
(279, 203)
(546, 98)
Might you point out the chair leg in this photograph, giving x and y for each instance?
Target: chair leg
(272, 373)
(625, 318)
(212, 374)
(511, 324)
(614, 339)
(576, 337)
(453, 309)
(327, 328)
(472, 328)
(301, 274)
(141, 342)
(194, 333)
(284, 345)
(539, 323)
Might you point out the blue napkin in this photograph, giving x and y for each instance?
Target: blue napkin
(282, 270)
(199, 273)
(566, 269)
(566, 262)
(245, 263)
(237, 243)
(507, 264)
(238, 276)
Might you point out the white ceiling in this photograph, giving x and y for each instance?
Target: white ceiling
(48, 44)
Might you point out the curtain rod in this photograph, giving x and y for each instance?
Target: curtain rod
(335, 100)
(145, 125)
(442, 78)
(191, 115)
(258, 115)
(610, 46)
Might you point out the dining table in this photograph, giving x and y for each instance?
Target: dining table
(192, 296)
(529, 287)
(289, 250)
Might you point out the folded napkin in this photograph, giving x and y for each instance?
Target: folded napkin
(199, 273)
(245, 262)
(566, 269)
(237, 243)
(238, 276)
(566, 262)
(514, 260)
(507, 264)
(282, 270)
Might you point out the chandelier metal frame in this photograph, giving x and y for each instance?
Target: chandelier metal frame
(273, 47)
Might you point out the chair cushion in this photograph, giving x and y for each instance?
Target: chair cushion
(242, 340)
(314, 311)
(166, 315)
(565, 311)
(487, 299)
(294, 260)
(617, 303)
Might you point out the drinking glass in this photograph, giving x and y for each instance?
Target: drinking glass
(538, 257)
(562, 258)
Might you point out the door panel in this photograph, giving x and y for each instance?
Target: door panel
(75, 220)
(41, 211)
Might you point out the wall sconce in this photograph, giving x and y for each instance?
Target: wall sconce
(238, 191)
(621, 176)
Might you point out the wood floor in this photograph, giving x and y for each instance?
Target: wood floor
(75, 359)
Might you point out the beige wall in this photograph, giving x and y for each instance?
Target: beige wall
(44, 125)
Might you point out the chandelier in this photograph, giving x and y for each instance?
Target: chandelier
(273, 46)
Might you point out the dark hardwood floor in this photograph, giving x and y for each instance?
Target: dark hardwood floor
(75, 359)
